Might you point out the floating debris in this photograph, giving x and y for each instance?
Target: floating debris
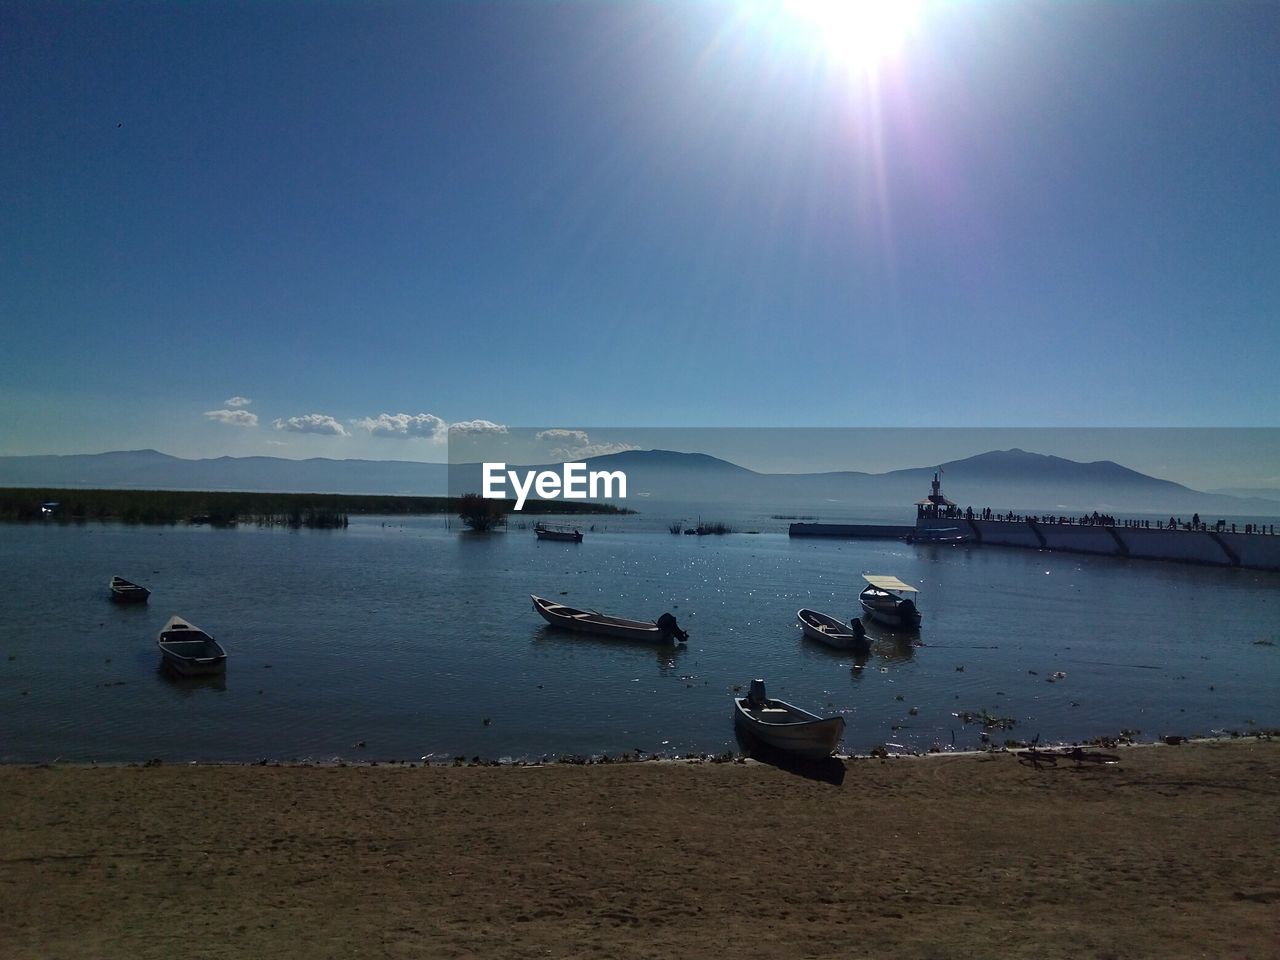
(988, 720)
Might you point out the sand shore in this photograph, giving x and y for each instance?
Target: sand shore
(1172, 852)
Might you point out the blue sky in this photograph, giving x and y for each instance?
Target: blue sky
(646, 214)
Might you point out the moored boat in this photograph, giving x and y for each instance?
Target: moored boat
(784, 726)
(889, 600)
(832, 632)
(544, 532)
(125, 591)
(663, 630)
(189, 651)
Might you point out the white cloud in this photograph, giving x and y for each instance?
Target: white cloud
(588, 450)
(560, 435)
(311, 423)
(404, 425)
(578, 445)
(477, 426)
(237, 402)
(236, 418)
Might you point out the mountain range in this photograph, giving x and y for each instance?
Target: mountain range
(1001, 479)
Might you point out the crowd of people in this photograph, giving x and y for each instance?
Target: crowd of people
(1097, 519)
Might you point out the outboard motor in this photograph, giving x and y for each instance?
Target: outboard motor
(667, 624)
(856, 628)
(908, 612)
(756, 698)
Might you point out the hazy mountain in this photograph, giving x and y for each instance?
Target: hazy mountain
(1002, 479)
(1261, 493)
(150, 469)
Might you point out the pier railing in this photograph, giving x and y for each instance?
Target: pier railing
(1194, 525)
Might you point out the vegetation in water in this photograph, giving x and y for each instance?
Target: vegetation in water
(226, 509)
(480, 514)
(710, 529)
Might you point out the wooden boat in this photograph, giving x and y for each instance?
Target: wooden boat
(545, 532)
(189, 651)
(663, 630)
(832, 632)
(885, 599)
(124, 591)
(786, 727)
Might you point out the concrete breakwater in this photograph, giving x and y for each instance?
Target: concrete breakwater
(1204, 546)
(853, 531)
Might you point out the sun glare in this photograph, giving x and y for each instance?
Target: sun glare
(857, 34)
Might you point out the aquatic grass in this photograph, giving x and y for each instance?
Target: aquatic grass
(712, 529)
(225, 509)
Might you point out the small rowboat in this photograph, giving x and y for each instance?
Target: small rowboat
(124, 591)
(545, 532)
(829, 630)
(786, 727)
(663, 630)
(189, 651)
(883, 599)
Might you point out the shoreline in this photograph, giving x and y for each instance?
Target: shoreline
(1170, 852)
(1055, 748)
(1058, 748)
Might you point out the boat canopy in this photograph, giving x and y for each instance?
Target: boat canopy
(888, 583)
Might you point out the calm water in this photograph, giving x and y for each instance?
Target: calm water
(409, 636)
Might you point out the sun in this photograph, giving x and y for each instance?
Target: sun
(856, 34)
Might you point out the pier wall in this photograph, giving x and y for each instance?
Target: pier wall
(854, 531)
(1255, 551)
(1189, 546)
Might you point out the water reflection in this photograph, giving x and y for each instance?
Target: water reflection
(895, 646)
(188, 687)
(666, 655)
(859, 665)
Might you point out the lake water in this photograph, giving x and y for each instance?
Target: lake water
(407, 636)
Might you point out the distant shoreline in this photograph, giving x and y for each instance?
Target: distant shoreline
(220, 508)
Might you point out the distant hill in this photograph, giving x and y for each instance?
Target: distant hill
(1261, 493)
(152, 470)
(1001, 479)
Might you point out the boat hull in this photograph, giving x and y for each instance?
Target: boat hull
(891, 617)
(887, 600)
(122, 591)
(588, 621)
(211, 666)
(814, 739)
(559, 535)
(835, 635)
(190, 652)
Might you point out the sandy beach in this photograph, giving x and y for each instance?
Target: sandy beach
(1171, 852)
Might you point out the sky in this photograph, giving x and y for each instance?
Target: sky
(333, 229)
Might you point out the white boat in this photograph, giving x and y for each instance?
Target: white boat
(189, 651)
(889, 600)
(832, 632)
(124, 591)
(545, 532)
(663, 630)
(786, 727)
